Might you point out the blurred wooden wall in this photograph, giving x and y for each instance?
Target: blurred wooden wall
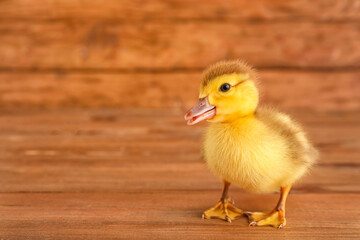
(150, 54)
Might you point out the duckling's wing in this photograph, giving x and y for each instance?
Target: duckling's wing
(299, 145)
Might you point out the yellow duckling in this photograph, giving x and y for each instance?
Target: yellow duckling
(258, 149)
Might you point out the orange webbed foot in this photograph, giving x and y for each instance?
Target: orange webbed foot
(224, 210)
(275, 218)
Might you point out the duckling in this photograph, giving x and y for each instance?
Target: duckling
(256, 148)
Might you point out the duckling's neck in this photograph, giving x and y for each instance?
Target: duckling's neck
(239, 119)
(244, 126)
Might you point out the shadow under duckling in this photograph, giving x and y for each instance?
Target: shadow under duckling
(256, 148)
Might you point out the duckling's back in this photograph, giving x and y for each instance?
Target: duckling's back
(301, 149)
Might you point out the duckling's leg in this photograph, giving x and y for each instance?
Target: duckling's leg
(276, 217)
(224, 209)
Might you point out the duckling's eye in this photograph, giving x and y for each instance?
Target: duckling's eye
(225, 87)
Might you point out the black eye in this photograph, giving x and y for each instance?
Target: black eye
(225, 87)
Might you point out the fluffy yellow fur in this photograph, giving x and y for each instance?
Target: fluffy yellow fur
(258, 149)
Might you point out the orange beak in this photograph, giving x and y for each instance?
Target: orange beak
(202, 110)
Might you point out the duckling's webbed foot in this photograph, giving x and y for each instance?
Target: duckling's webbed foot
(224, 210)
(275, 218)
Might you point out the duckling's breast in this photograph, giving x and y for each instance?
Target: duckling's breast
(248, 154)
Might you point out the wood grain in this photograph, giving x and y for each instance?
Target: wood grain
(108, 150)
(106, 45)
(120, 174)
(213, 10)
(174, 215)
(322, 91)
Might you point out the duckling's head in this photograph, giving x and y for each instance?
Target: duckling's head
(227, 91)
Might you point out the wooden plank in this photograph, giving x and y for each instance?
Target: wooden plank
(29, 175)
(214, 10)
(107, 45)
(97, 150)
(324, 91)
(170, 215)
(86, 127)
(96, 134)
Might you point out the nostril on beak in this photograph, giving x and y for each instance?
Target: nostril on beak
(202, 102)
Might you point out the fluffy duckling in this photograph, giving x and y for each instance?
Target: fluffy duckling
(258, 149)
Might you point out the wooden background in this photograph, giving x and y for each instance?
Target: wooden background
(92, 95)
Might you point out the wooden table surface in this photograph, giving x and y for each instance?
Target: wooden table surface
(124, 174)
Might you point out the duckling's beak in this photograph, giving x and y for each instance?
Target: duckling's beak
(201, 111)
